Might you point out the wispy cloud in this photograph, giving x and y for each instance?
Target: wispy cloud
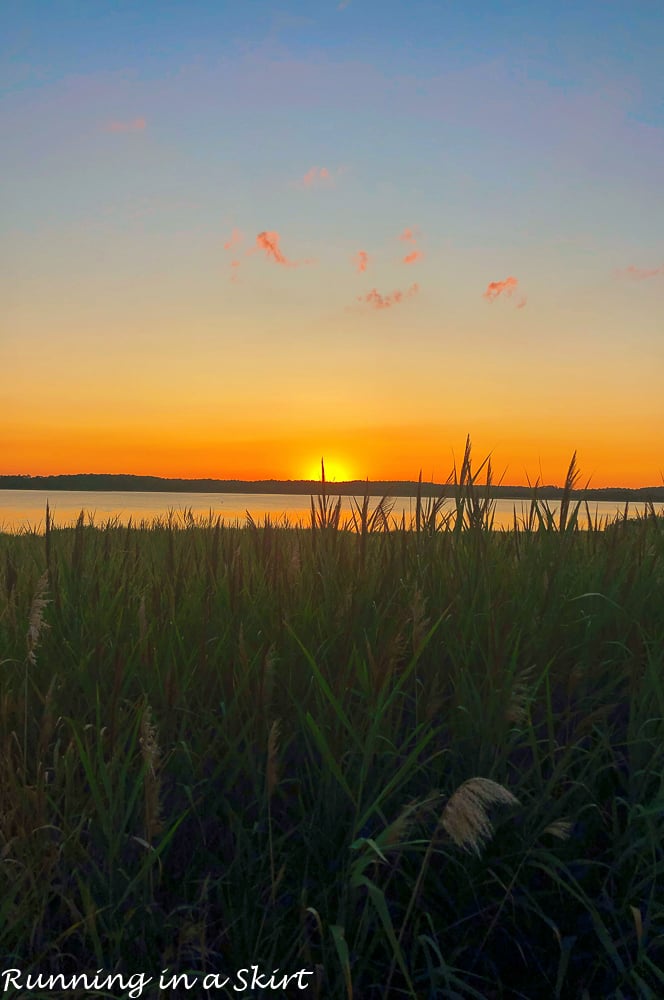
(378, 301)
(640, 273)
(361, 260)
(269, 242)
(410, 236)
(343, 4)
(496, 288)
(522, 303)
(235, 238)
(317, 177)
(136, 125)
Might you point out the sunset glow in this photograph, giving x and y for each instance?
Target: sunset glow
(336, 471)
(186, 192)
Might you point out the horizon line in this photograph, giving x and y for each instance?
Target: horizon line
(316, 482)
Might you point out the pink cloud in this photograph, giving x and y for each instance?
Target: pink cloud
(412, 257)
(640, 273)
(496, 288)
(378, 301)
(235, 238)
(137, 125)
(269, 241)
(317, 176)
(408, 236)
(522, 302)
(361, 260)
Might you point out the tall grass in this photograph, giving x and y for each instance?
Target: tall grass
(420, 759)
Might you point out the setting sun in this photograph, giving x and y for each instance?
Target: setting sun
(336, 470)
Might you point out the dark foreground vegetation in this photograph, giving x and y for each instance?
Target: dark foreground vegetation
(418, 762)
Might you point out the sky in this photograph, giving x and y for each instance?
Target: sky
(239, 237)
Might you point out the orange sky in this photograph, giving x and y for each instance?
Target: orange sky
(379, 452)
(239, 249)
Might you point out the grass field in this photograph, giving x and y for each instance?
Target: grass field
(419, 762)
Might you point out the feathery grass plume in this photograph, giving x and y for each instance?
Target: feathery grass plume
(395, 834)
(465, 819)
(243, 654)
(11, 579)
(467, 823)
(271, 782)
(359, 514)
(418, 617)
(272, 770)
(267, 679)
(48, 722)
(36, 623)
(638, 924)
(418, 504)
(77, 551)
(433, 696)
(571, 479)
(521, 697)
(142, 622)
(151, 755)
(143, 631)
(292, 563)
(47, 534)
(560, 828)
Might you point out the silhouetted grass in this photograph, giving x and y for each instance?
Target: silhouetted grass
(424, 759)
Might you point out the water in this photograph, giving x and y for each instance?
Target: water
(22, 510)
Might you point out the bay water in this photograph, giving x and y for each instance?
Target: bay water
(25, 510)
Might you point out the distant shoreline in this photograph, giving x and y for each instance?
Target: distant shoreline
(109, 483)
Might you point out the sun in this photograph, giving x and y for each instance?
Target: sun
(336, 470)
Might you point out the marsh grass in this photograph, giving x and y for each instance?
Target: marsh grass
(422, 759)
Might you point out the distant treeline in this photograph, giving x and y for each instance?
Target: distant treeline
(357, 487)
